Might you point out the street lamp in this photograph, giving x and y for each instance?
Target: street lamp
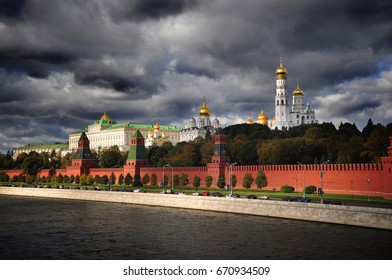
(230, 179)
(368, 183)
(163, 175)
(321, 180)
(172, 185)
(38, 174)
(303, 169)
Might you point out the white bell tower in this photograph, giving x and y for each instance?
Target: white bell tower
(282, 107)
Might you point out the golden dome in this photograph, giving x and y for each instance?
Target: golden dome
(204, 111)
(262, 118)
(298, 91)
(157, 127)
(273, 121)
(249, 121)
(281, 72)
(105, 117)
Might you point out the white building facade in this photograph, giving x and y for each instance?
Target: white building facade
(200, 127)
(106, 132)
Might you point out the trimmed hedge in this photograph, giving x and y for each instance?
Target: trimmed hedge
(310, 189)
(287, 189)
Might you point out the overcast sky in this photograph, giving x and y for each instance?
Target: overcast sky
(64, 62)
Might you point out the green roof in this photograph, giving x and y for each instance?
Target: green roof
(132, 126)
(44, 146)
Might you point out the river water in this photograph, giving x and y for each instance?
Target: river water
(40, 228)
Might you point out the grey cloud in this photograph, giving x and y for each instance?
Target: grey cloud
(140, 10)
(12, 9)
(155, 60)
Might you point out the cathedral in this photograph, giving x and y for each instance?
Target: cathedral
(201, 127)
(299, 113)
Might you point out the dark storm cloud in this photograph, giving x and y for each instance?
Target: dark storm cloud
(139, 10)
(11, 9)
(37, 64)
(62, 63)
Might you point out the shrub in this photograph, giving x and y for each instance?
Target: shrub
(287, 189)
(310, 189)
(247, 181)
(154, 179)
(221, 183)
(208, 181)
(196, 182)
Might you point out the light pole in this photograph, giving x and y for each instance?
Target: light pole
(163, 175)
(368, 183)
(172, 185)
(321, 180)
(38, 175)
(230, 179)
(303, 169)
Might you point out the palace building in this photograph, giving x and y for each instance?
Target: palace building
(105, 132)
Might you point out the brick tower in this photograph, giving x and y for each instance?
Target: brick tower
(83, 159)
(137, 156)
(387, 171)
(220, 158)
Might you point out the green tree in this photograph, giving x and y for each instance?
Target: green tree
(60, 178)
(221, 183)
(83, 179)
(146, 179)
(89, 180)
(208, 181)
(71, 178)
(104, 179)
(196, 182)
(261, 180)
(32, 163)
(154, 179)
(121, 179)
(128, 179)
(4, 177)
(77, 179)
(176, 180)
(137, 183)
(233, 181)
(111, 157)
(184, 179)
(112, 179)
(247, 181)
(97, 179)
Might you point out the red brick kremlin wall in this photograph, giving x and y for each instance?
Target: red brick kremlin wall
(356, 179)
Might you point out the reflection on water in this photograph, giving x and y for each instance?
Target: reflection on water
(38, 228)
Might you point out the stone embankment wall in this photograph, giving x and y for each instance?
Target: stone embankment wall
(347, 215)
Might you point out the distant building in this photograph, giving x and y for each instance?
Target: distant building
(299, 113)
(105, 132)
(51, 149)
(201, 126)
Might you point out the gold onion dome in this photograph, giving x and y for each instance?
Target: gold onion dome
(204, 111)
(249, 121)
(105, 117)
(262, 118)
(157, 126)
(281, 72)
(298, 91)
